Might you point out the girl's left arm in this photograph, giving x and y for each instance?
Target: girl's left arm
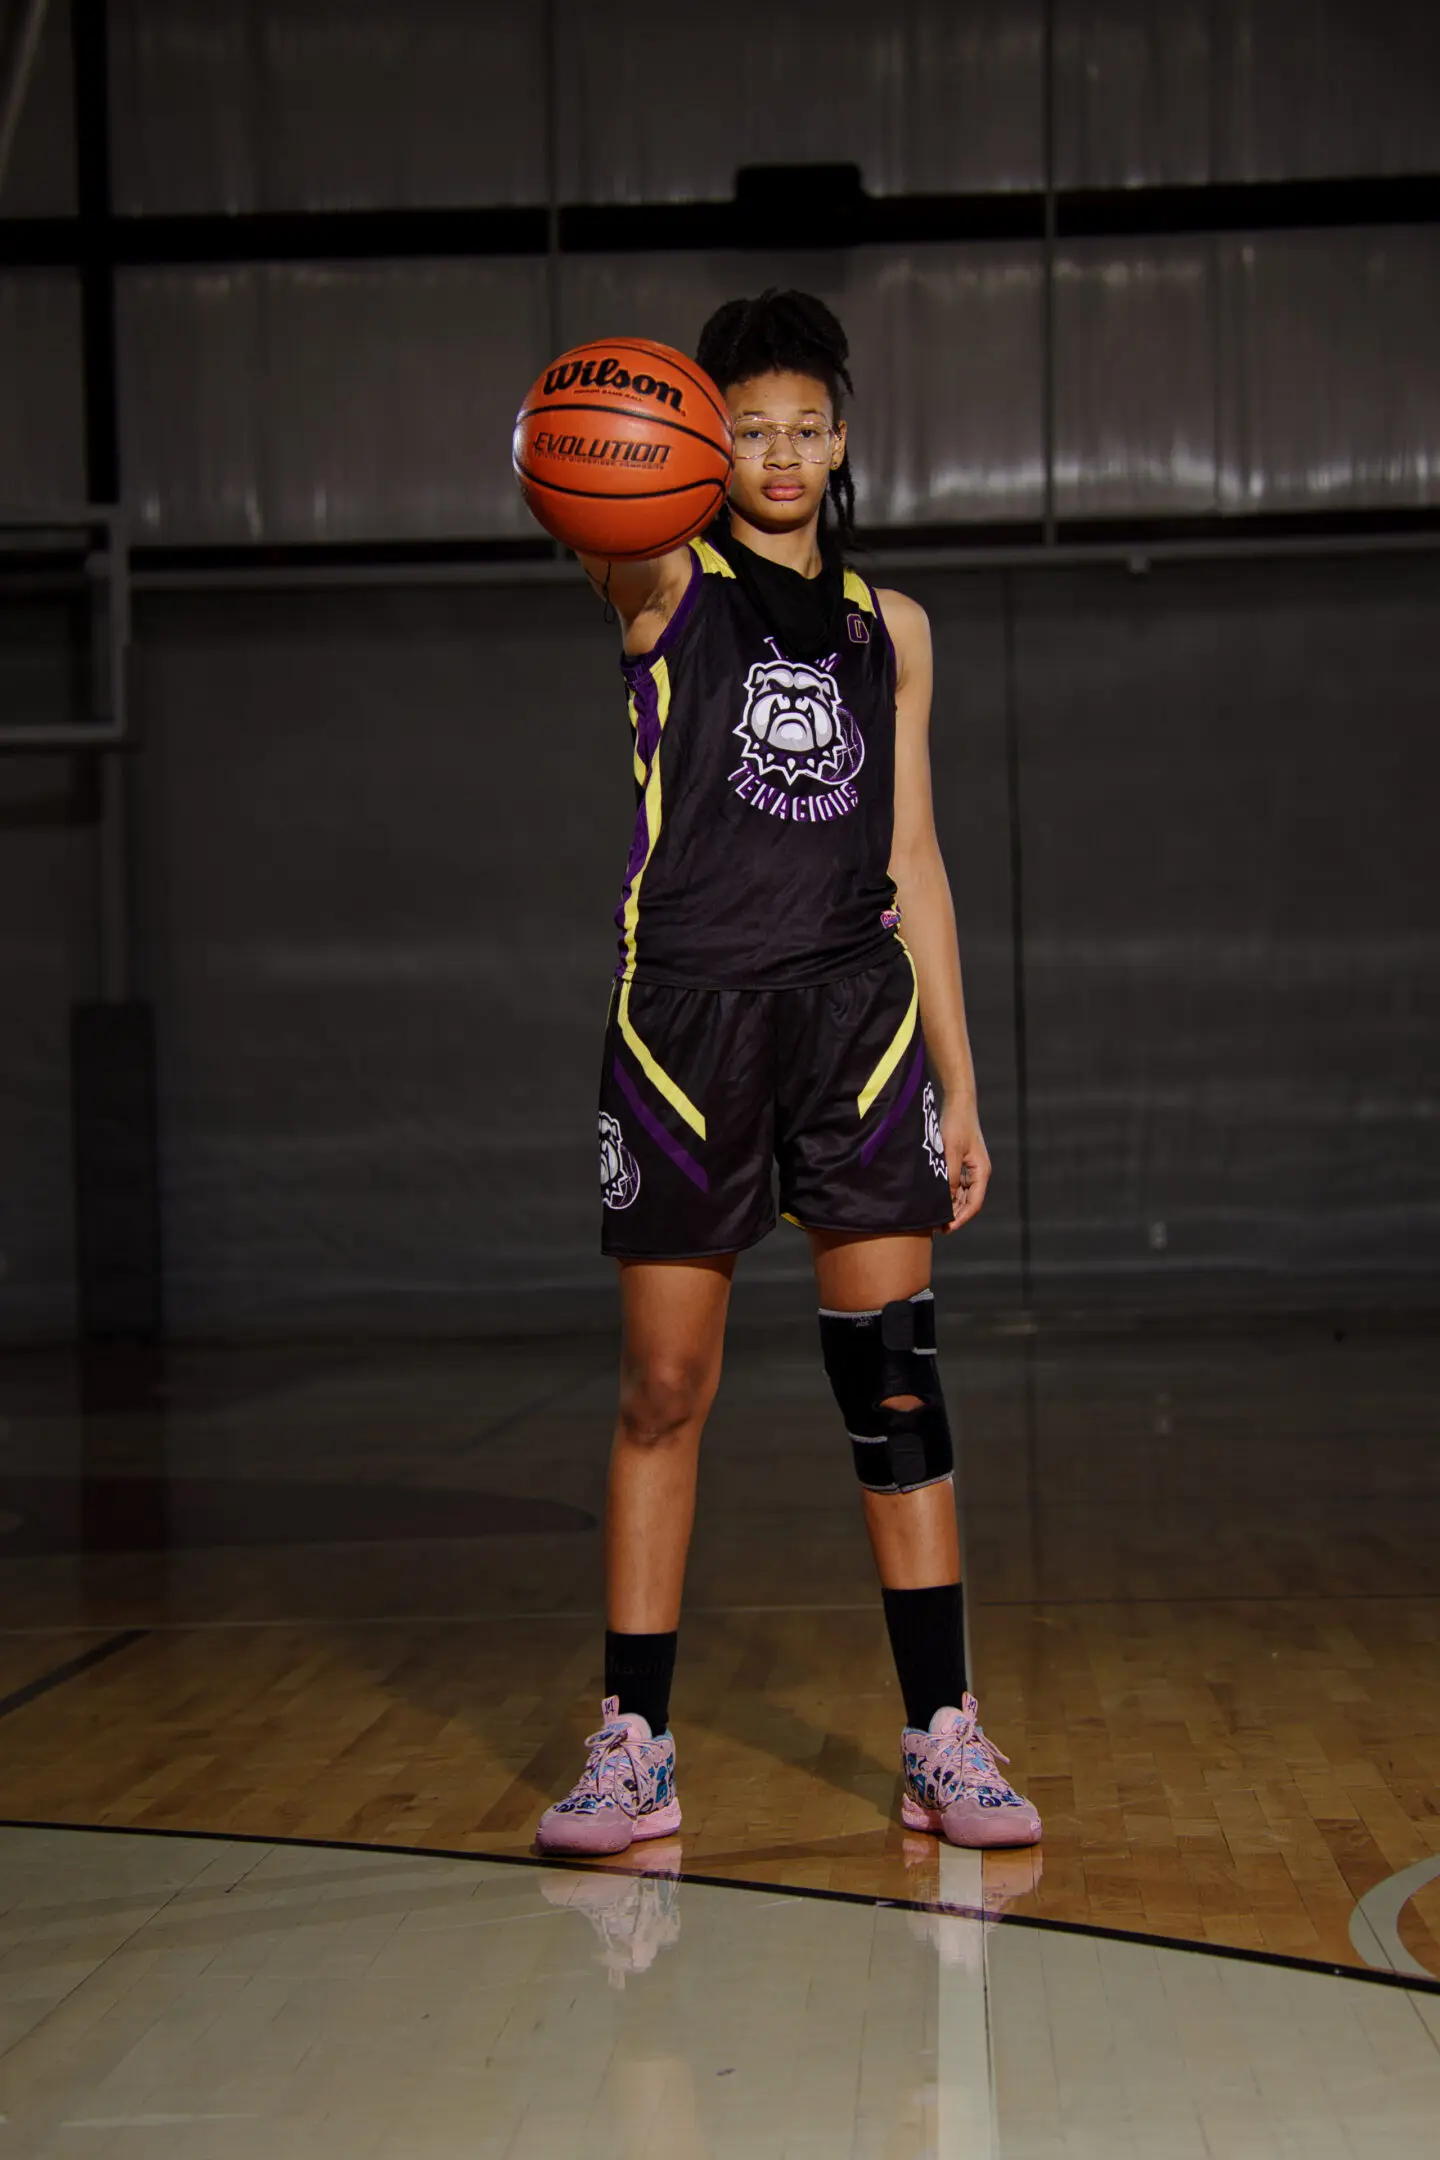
(928, 912)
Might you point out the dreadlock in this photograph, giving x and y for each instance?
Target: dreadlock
(789, 333)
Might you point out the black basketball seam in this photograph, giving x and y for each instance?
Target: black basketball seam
(533, 412)
(694, 372)
(664, 546)
(608, 495)
(723, 410)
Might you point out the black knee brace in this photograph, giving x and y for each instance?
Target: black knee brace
(872, 1356)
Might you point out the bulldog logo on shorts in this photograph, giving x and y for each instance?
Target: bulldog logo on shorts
(801, 748)
(619, 1171)
(934, 1138)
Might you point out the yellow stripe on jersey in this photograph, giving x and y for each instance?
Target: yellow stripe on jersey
(904, 1036)
(649, 1064)
(654, 810)
(712, 562)
(857, 592)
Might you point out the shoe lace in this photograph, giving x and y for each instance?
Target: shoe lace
(610, 1750)
(979, 1752)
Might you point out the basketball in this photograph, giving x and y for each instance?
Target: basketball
(623, 448)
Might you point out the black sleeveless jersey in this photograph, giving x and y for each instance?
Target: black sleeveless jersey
(766, 796)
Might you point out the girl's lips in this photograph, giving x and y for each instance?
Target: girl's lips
(782, 491)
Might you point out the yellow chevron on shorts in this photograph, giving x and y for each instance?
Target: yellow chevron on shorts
(712, 562)
(857, 592)
(653, 1070)
(903, 1037)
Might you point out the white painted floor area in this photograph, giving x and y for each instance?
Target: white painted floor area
(192, 1999)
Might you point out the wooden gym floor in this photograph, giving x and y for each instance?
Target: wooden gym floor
(354, 1594)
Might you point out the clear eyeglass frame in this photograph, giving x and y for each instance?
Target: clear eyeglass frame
(814, 452)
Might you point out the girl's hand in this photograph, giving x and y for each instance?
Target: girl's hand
(967, 1161)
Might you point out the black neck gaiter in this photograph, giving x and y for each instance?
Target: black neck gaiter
(802, 614)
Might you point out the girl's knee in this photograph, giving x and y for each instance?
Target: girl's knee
(660, 1400)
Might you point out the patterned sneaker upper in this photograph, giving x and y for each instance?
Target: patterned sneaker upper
(625, 1768)
(955, 1761)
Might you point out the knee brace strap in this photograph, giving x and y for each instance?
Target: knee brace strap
(871, 1357)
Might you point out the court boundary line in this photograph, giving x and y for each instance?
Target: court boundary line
(591, 1613)
(71, 1669)
(1377, 1915)
(1039, 1923)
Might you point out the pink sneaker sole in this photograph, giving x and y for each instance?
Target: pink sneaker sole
(607, 1830)
(974, 1829)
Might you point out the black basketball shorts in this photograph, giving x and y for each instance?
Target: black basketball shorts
(704, 1093)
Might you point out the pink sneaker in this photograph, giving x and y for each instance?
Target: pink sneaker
(626, 1791)
(953, 1784)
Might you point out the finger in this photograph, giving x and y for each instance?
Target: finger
(969, 1189)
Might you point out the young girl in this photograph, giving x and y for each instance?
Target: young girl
(767, 1008)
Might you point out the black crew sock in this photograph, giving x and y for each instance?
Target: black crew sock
(639, 1669)
(927, 1636)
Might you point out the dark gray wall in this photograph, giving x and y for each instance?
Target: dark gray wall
(1232, 918)
(274, 104)
(1156, 373)
(1289, 371)
(381, 834)
(46, 961)
(380, 831)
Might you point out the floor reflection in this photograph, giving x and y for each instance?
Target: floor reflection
(634, 1910)
(198, 1999)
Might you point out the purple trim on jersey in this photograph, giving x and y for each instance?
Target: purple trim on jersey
(630, 662)
(681, 1157)
(639, 848)
(647, 717)
(898, 1108)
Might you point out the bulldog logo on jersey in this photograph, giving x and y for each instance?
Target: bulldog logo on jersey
(619, 1171)
(801, 748)
(934, 1138)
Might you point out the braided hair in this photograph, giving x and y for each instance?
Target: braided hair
(788, 333)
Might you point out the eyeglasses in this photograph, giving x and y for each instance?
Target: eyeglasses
(809, 439)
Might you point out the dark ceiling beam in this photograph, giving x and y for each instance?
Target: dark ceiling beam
(1397, 524)
(819, 206)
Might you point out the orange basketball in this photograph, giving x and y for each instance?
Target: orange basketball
(623, 448)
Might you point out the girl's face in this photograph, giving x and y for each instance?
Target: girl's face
(779, 480)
